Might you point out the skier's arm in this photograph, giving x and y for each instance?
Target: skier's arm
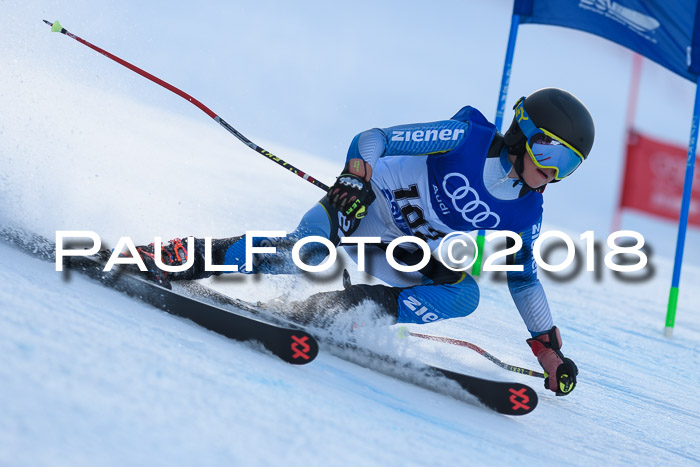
(529, 298)
(525, 287)
(352, 192)
(407, 140)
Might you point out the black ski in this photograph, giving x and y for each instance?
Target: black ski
(290, 343)
(504, 397)
(245, 321)
(509, 398)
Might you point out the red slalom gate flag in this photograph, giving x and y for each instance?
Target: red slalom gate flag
(654, 175)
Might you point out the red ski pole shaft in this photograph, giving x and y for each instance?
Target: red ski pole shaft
(56, 27)
(479, 350)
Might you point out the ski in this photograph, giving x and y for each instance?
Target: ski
(290, 343)
(509, 398)
(245, 321)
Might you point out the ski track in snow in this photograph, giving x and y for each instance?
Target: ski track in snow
(91, 377)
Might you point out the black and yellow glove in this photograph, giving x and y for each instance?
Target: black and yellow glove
(351, 194)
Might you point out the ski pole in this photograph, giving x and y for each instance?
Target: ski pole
(448, 340)
(56, 27)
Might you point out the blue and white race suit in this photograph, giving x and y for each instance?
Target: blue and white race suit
(431, 179)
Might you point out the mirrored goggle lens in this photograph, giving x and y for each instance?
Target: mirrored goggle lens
(549, 153)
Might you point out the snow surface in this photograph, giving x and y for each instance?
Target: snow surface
(90, 377)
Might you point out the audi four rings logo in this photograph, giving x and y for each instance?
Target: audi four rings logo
(474, 210)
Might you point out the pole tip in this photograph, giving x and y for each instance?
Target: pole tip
(402, 332)
(55, 26)
(668, 332)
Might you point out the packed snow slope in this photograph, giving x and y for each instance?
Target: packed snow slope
(90, 377)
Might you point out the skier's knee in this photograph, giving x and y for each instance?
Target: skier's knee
(466, 296)
(429, 303)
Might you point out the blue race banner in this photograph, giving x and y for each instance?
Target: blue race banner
(661, 30)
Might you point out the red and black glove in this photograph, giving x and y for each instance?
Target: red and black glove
(352, 192)
(560, 372)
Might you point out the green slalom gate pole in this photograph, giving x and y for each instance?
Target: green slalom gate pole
(683, 221)
(500, 110)
(671, 311)
(476, 267)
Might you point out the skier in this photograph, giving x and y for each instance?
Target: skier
(427, 180)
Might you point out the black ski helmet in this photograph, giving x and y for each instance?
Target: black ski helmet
(558, 112)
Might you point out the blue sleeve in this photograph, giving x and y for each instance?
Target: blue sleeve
(525, 287)
(408, 140)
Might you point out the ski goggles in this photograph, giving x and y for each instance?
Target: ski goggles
(546, 149)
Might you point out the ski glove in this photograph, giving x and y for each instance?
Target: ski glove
(352, 192)
(560, 372)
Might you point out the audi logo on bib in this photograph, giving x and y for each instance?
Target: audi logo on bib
(466, 201)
